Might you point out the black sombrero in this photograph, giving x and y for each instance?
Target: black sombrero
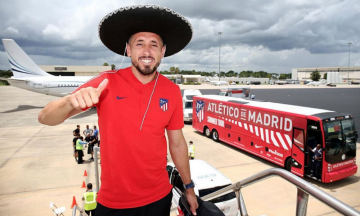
(116, 28)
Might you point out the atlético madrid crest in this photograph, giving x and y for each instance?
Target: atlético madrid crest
(200, 106)
(164, 104)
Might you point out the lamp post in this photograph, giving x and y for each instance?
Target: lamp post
(219, 33)
(349, 63)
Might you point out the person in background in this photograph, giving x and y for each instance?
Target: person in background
(77, 130)
(96, 132)
(90, 200)
(317, 161)
(76, 137)
(79, 148)
(191, 151)
(87, 131)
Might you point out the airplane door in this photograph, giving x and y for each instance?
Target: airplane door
(297, 152)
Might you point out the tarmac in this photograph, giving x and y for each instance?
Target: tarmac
(37, 164)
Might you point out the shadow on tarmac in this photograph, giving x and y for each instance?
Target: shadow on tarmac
(23, 108)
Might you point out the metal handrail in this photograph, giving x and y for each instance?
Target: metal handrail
(304, 189)
(76, 208)
(97, 178)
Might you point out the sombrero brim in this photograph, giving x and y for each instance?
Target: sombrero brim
(117, 27)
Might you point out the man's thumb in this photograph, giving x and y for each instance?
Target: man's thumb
(102, 86)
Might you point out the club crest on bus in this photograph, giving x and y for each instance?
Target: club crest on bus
(200, 106)
(164, 104)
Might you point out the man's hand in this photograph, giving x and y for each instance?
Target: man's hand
(192, 200)
(87, 97)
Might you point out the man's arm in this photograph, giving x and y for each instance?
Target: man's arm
(179, 154)
(59, 110)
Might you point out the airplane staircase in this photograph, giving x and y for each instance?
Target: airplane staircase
(304, 190)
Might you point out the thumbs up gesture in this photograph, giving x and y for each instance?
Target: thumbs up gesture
(87, 97)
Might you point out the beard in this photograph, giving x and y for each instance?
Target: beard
(147, 70)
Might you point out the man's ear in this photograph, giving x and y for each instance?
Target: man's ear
(163, 51)
(128, 51)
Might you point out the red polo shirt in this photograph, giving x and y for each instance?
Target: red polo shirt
(133, 161)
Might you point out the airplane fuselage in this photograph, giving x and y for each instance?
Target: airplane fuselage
(51, 85)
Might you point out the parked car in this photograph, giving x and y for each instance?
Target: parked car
(207, 179)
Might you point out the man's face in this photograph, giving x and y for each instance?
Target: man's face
(146, 50)
(87, 126)
(318, 146)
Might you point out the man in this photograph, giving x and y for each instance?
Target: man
(136, 106)
(76, 137)
(90, 200)
(92, 142)
(191, 151)
(317, 161)
(77, 130)
(79, 149)
(96, 132)
(87, 132)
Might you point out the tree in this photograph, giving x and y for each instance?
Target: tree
(105, 64)
(177, 70)
(325, 75)
(315, 76)
(112, 67)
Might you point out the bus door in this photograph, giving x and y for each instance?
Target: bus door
(297, 152)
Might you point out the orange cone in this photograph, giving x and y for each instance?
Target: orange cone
(83, 185)
(85, 173)
(73, 202)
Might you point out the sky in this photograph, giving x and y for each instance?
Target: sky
(269, 35)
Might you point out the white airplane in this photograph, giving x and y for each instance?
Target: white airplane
(27, 75)
(313, 83)
(218, 83)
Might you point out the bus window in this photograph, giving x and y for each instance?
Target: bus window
(340, 140)
(188, 105)
(299, 138)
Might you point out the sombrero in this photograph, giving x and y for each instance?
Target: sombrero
(116, 28)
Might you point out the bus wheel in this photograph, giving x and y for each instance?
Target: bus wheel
(288, 164)
(207, 132)
(215, 135)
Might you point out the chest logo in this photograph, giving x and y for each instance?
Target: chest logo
(164, 104)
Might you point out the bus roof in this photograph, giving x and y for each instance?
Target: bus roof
(270, 105)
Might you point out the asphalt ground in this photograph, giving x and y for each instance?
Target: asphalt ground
(37, 166)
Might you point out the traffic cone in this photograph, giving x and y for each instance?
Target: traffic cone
(73, 202)
(85, 173)
(83, 185)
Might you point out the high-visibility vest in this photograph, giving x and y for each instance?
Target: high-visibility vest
(79, 146)
(90, 201)
(192, 151)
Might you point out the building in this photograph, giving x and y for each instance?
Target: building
(74, 70)
(304, 73)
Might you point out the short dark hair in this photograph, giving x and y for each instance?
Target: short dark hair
(77, 125)
(191, 142)
(162, 40)
(89, 186)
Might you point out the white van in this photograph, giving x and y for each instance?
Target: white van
(207, 180)
(188, 102)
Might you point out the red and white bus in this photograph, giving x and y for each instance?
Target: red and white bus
(281, 133)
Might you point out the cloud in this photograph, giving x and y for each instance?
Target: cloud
(273, 36)
(12, 30)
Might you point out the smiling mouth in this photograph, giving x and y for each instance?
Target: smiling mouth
(146, 60)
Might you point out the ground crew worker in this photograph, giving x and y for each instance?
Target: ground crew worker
(90, 200)
(191, 150)
(79, 149)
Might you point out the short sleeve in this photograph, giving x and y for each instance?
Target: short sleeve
(94, 82)
(177, 118)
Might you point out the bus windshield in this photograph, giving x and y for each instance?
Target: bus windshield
(188, 105)
(340, 140)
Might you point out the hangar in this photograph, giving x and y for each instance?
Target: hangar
(344, 72)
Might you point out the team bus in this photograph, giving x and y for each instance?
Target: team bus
(281, 133)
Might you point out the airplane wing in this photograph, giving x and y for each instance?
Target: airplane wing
(15, 79)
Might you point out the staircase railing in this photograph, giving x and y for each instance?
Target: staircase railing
(77, 208)
(304, 189)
